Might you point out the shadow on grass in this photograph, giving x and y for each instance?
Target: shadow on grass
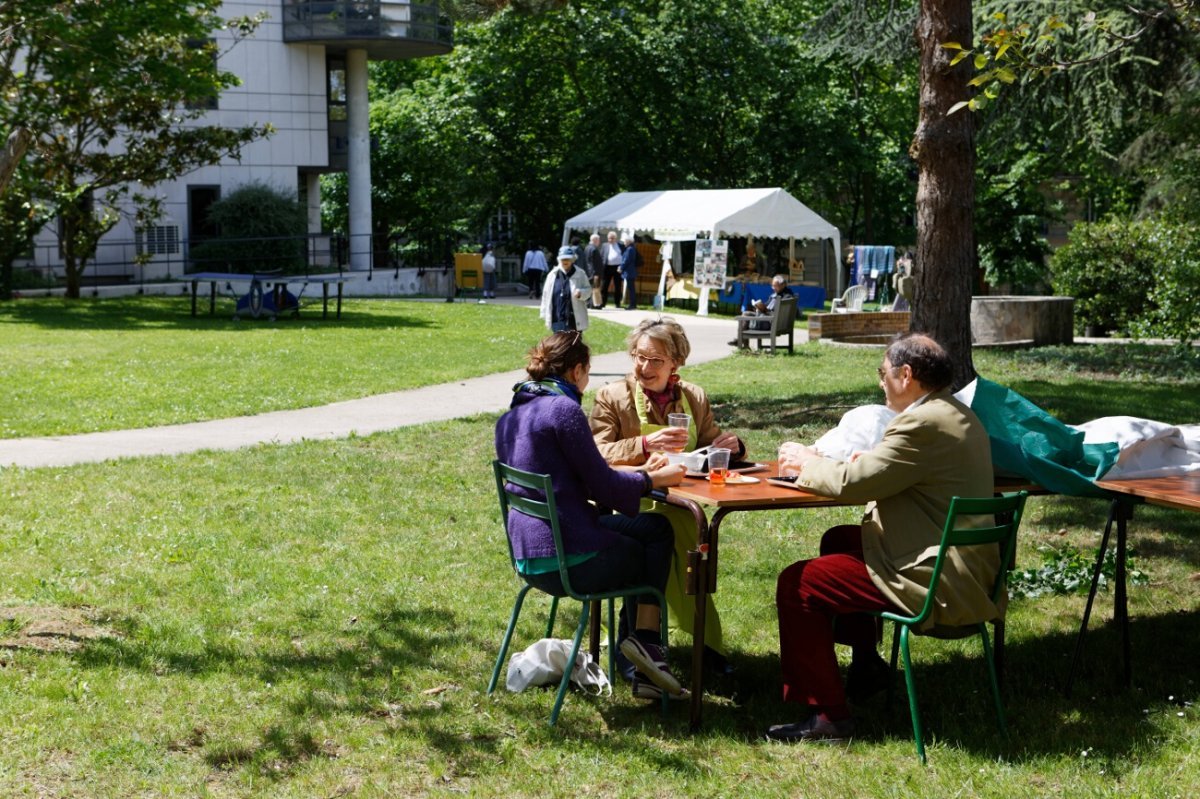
(1111, 723)
(1079, 401)
(796, 412)
(161, 313)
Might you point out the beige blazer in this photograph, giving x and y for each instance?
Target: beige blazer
(928, 454)
(618, 432)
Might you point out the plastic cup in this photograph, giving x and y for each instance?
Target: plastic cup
(682, 420)
(718, 466)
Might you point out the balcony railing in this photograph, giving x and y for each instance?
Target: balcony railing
(385, 29)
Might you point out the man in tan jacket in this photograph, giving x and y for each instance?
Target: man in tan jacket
(933, 450)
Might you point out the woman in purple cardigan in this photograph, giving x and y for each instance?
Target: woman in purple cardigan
(546, 432)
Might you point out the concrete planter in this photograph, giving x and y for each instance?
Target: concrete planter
(1027, 320)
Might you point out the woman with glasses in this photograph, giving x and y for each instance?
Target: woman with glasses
(629, 423)
(546, 432)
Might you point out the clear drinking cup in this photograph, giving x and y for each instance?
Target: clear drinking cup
(718, 466)
(682, 420)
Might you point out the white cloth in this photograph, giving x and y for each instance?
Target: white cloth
(1147, 448)
(542, 663)
(489, 263)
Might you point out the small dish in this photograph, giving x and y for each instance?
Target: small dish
(735, 479)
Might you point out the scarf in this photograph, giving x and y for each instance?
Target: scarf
(545, 388)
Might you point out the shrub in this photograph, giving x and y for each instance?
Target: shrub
(1109, 268)
(1174, 310)
(261, 230)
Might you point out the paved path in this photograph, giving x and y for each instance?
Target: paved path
(488, 394)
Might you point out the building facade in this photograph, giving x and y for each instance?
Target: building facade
(304, 71)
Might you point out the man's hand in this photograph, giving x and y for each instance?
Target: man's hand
(668, 439)
(793, 457)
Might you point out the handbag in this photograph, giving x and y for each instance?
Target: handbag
(543, 662)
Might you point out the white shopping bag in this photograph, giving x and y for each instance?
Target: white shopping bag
(542, 663)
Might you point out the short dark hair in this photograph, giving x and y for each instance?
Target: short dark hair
(930, 363)
(557, 354)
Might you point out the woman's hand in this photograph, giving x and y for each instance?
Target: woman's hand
(657, 460)
(667, 439)
(669, 475)
(727, 441)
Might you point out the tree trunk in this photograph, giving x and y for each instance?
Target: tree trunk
(944, 149)
(13, 152)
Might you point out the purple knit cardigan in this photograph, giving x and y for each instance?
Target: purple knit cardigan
(550, 435)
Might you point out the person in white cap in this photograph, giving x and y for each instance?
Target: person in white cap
(565, 295)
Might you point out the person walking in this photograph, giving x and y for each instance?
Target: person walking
(534, 269)
(564, 298)
(631, 259)
(489, 272)
(593, 264)
(610, 254)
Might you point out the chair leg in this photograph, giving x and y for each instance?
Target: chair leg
(553, 615)
(612, 645)
(566, 678)
(895, 654)
(910, 684)
(991, 667)
(662, 623)
(512, 625)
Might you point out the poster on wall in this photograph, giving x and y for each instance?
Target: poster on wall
(711, 263)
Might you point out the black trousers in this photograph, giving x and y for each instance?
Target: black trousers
(612, 273)
(641, 556)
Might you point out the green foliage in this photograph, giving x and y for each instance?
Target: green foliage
(1067, 570)
(1137, 278)
(1011, 207)
(261, 229)
(1109, 269)
(547, 113)
(113, 94)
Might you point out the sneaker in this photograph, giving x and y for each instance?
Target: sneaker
(644, 689)
(651, 661)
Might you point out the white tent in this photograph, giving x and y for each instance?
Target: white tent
(715, 213)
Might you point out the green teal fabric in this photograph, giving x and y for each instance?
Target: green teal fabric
(1033, 444)
(550, 564)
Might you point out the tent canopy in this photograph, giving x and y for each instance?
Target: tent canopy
(719, 213)
(723, 213)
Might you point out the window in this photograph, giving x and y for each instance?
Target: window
(336, 69)
(157, 240)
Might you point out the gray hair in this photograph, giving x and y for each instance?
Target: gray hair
(595, 238)
(667, 332)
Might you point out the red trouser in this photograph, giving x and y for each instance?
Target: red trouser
(822, 602)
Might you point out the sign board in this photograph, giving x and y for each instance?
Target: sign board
(712, 263)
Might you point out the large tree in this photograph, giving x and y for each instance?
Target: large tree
(944, 149)
(113, 97)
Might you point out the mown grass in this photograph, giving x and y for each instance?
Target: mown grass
(320, 620)
(87, 365)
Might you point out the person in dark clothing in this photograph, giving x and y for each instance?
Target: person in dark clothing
(546, 432)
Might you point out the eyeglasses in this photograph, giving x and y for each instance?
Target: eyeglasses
(646, 360)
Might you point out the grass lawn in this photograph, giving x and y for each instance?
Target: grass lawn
(320, 620)
(87, 365)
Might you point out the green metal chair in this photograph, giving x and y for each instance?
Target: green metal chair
(1003, 533)
(546, 509)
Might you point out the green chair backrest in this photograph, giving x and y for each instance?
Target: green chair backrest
(1003, 534)
(545, 509)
